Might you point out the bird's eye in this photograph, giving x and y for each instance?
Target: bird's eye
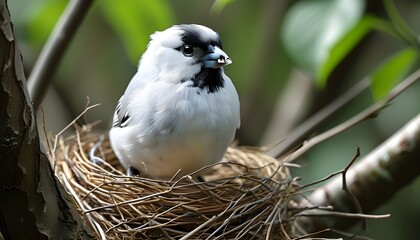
(187, 50)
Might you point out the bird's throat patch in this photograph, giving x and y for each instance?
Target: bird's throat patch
(210, 79)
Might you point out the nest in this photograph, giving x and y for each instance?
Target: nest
(247, 195)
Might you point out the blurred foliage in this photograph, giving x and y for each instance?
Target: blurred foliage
(134, 25)
(42, 19)
(342, 48)
(324, 24)
(334, 28)
(392, 71)
(337, 42)
(405, 32)
(218, 5)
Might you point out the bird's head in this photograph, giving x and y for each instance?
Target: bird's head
(181, 52)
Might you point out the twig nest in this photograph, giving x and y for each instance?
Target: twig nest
(247, 195)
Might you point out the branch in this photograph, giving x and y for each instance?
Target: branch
(53, 51)
(373, 180)
(371, 111)
(299, 134)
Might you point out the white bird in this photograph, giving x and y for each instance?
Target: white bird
(180, 111)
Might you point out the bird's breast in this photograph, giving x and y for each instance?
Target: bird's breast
(179, 127)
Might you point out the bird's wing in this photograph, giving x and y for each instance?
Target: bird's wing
(121, 117)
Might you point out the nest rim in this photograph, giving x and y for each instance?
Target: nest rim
(236, 199)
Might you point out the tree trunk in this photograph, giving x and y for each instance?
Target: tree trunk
(33, 204)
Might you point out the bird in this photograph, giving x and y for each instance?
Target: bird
(180, 111)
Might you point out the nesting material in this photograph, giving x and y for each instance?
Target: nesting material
(248, 195)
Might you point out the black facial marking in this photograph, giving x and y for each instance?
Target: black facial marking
(209, 79)
(194, 36)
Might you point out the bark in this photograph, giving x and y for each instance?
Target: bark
(33, 204)
(373, 180)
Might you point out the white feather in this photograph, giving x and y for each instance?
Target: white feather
(172, 125)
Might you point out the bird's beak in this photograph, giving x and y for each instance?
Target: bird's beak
(216, 58)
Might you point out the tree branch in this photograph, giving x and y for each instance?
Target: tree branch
(298, 135)
(371, 111)
(373, 180)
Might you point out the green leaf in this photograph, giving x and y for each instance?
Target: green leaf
(343, 47)
(392, 71)
(135, 20)
(219, 5)
(313, 27)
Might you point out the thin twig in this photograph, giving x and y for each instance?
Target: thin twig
(349, 192)
(69, 125)
(53, 51)
(331, 175)
(299, 134)
(369, 112)
(341, 214)
(190, 234)
(312, 234)
(343, 172)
